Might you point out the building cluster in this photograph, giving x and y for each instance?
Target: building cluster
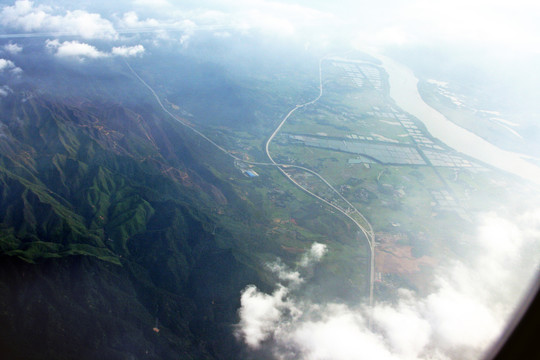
(361, 74)
(445, 159)
(245, 169)
(384, 153)
(415, 133)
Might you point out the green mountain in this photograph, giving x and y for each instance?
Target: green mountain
(107, 228)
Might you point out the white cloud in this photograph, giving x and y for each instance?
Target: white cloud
(268, 22)
(314, 255)
(278, 18)
(401, 326)
(285, 274)
(74, 49)
(259, 314)
(12, 48)
(266, 17)
(466, 312)
(130, 20)
(387, 22)
(131, 23)
(23, 15)
(81, 51)
(480, 23)
(127, 51)
(5, 91)
(8, 65)
(189, 29)
(293, 277)
(263, 17)
(222, 34)
(382, 23)
(338, 334)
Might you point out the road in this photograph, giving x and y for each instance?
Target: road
(366, 228)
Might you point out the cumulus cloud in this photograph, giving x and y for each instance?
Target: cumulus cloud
(5, 91)
(25, 16)
(8, 65)
(171, 22)
(338, 333)
(12, 48)
(479, 23)
(74, 49)
(260, 314)
(127, 51)
(130, 20)
(381, 24)
(314, 254)
(285, 274)
(293, 277)
(467, 310)
(263, 17)
(81, 51)
(279, 17)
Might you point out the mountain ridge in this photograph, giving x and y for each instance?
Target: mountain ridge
(97, 188)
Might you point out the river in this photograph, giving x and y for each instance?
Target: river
(404, 91)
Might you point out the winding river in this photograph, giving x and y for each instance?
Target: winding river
(404, 91)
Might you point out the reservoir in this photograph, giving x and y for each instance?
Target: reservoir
(404, 91)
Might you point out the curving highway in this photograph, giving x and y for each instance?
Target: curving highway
(366, 229)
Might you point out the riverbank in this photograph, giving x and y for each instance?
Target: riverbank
(404, 91)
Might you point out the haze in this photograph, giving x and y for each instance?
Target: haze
(486, 51)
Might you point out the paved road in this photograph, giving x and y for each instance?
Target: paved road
(366, 229)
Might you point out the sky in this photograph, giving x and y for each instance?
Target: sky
(493, 35)
(383, 23)
(468, 308)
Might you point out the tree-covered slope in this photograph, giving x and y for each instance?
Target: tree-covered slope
(106, 231)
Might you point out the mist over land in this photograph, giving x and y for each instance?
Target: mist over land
(143, 225)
